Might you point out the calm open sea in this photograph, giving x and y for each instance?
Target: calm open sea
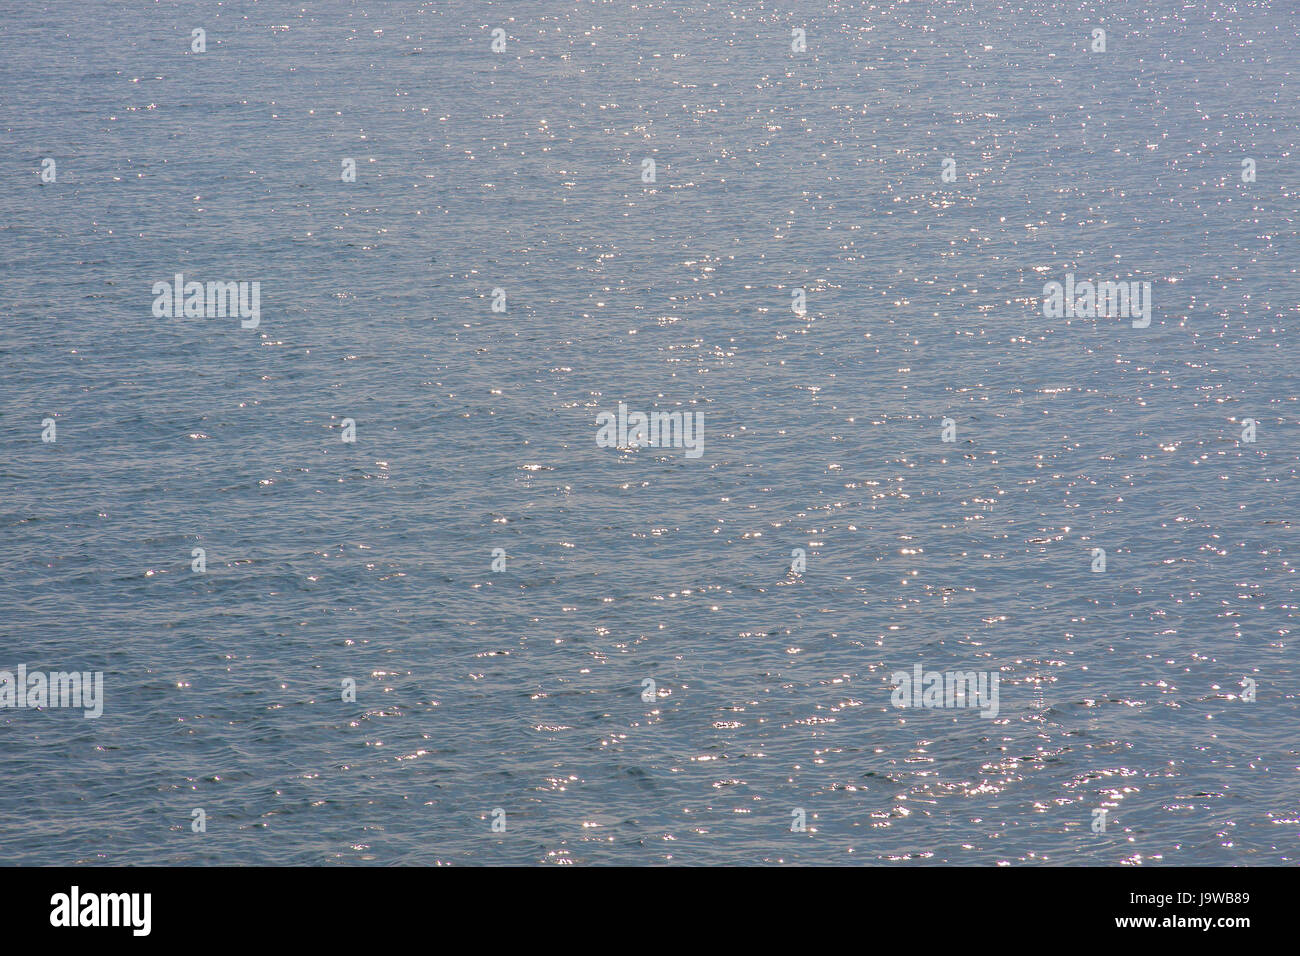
(521, 690)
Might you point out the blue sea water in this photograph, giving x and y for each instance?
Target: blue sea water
(521, 689)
